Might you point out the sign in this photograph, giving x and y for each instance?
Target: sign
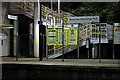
(83, 19)
(12, 17)
(65, 20)
(66, 26)
(110, 32)
(72, 36)
(116, 33)
(51, 38)
(54, 36)
(3, 37)
(60, 36)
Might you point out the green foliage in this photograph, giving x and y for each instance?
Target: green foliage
(108, 12)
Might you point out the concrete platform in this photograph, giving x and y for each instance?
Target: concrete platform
(67, 62)
(55, 69)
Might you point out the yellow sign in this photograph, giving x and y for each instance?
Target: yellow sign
(72, 36)
(65, 20)
(60, 33)
(117, 34)
(51, 36)
(54, 36)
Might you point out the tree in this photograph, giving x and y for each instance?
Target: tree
(108, 12)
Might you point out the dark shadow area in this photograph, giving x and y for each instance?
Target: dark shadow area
(56, 72)
(24, 36)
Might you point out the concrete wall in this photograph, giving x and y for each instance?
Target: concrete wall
(0, 42)
(6, 42)
(0, 12)
(4, 33)
(0, 27)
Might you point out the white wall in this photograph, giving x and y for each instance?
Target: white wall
(0, 42)
(6, 41)
(0, 27)
(4, 49)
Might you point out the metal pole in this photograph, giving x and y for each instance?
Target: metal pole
(58, 6)
(78, 51)
(51, 5)
(87, 41)
(62, 32)
(88, 48)
(43, 45)
(113, 43)
(93, 52)
(30, 38)
(99, 43)
(59, 9)
(62, 42)
(16, 39)
(46, 36)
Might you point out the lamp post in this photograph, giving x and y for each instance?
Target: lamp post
(62, 31)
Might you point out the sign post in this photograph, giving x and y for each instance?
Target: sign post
(113, 42)
(78, 51)
(99, 43)
(88, 46)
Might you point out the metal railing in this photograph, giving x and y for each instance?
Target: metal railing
(56, 51)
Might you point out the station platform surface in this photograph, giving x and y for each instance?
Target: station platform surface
(109, 63)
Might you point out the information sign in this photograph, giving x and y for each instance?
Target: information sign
(51, 38)
(60, 36)
(72, 36)
(117, 33)
(83, 19)
(12, 17)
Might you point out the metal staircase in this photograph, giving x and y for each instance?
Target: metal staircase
(59, 52)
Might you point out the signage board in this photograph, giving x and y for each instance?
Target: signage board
(72, 36)
(51, 38)
(54, 36)
(110, 32)
(12, 17)
(3, 37)
(116, 33)
(65, 20)
(83, 19)
(60, 36)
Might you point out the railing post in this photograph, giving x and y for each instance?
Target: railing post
(78, 51)
(99, 43)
